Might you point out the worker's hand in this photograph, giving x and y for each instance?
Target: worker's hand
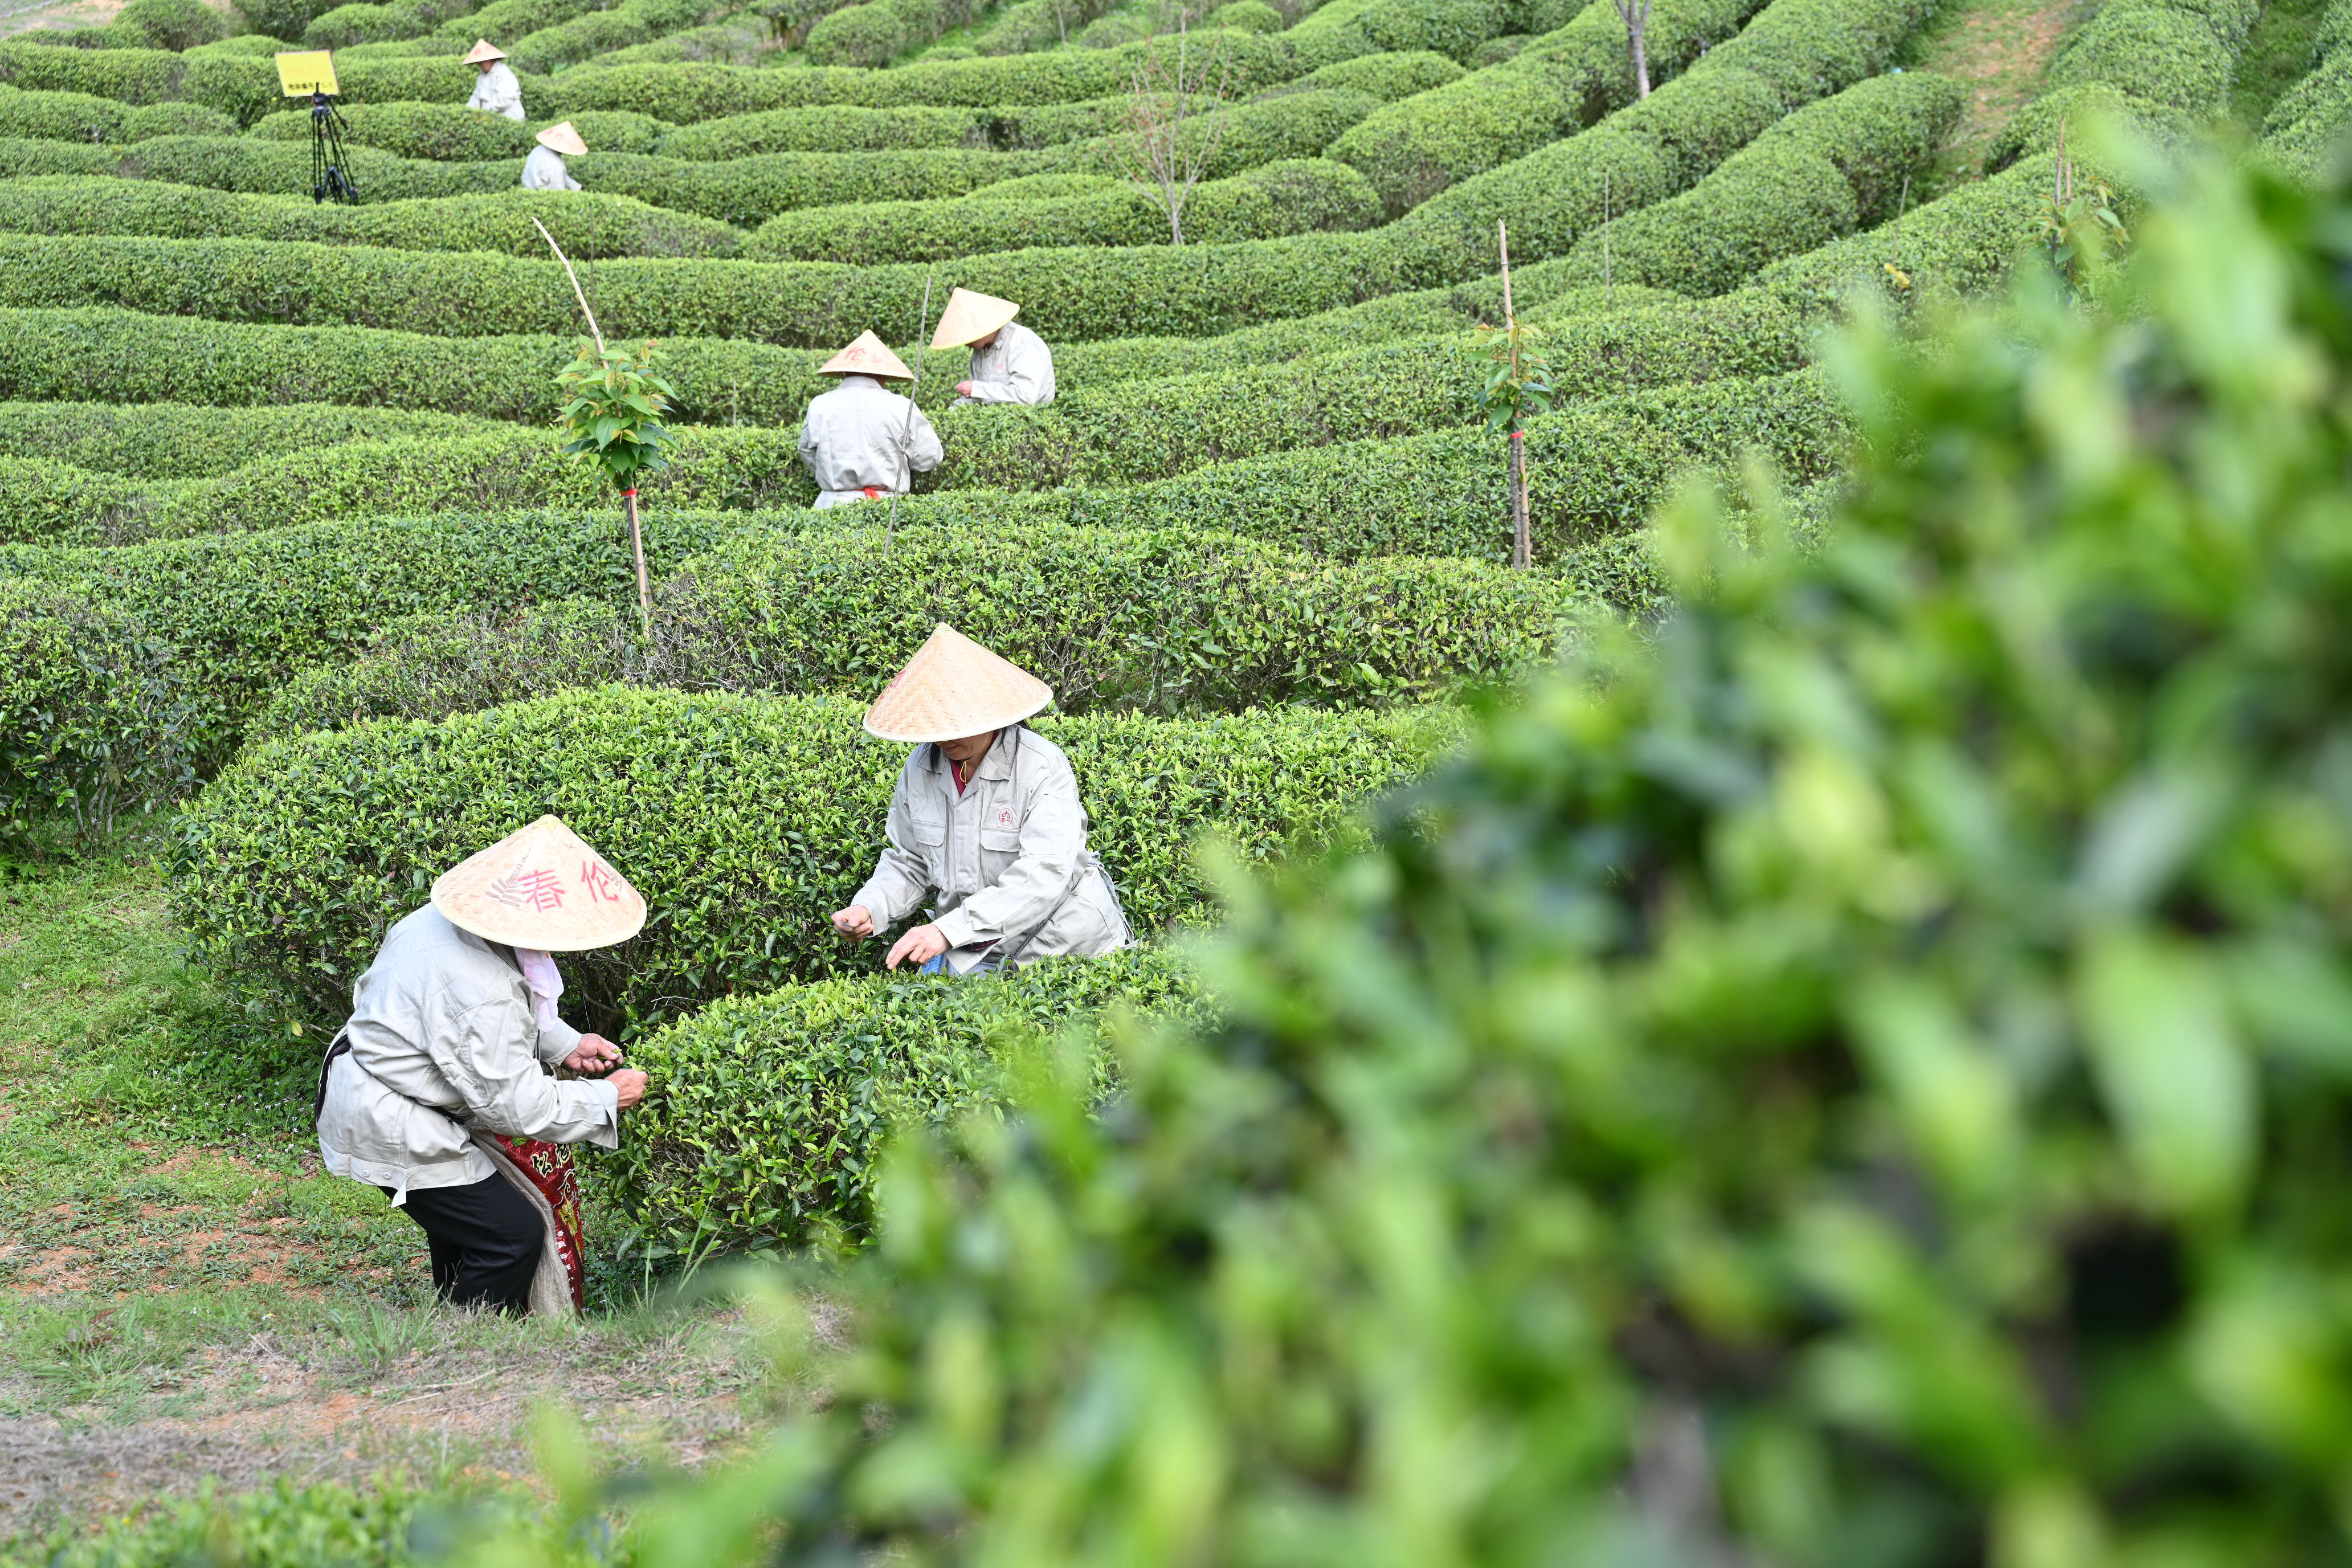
(593, 1053)
(855, 920)
(963, 388)
(629, 1085)
(919, 945)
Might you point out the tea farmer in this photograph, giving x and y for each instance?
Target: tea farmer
(440, 1089)
(544, 170)
(1010, 364)
(498, 92)
(986, 816)
(861, 439)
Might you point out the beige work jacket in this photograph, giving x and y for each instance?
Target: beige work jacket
(1007, 859)
(498, 92)
(1016, 368)
(444, 1035)
(862, 434)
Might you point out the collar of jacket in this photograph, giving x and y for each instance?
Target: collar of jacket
(996, 764)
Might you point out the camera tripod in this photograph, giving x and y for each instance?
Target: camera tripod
(329, 162)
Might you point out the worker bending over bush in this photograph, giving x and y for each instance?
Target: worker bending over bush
(1010, 364)
(985, 814)
(440, 1089)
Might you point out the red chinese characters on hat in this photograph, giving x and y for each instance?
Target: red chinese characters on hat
(597, 877)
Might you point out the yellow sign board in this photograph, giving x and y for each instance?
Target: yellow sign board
(299, 76)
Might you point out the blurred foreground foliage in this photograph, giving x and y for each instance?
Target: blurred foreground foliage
(1862, 1080)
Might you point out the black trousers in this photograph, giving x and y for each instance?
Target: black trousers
(486, 1240)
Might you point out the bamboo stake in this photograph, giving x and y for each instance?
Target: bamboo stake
(906, 435)
(629, 495)
(1522, 545)
(577, 291)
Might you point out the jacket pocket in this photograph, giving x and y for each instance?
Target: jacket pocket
(1000, 840)
(929, 832)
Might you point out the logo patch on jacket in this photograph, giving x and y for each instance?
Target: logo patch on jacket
(1005, 817)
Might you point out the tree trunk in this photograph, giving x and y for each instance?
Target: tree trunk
(637, 548)
(1523, 544)
(1636, 14)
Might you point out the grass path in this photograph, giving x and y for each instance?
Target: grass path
(184, 1295)
(1999, 48)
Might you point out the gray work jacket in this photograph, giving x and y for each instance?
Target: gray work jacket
(859, 435)
(1007, 857)
(444, 1035)
(545, 171)
(1016, 368)
(498, 92)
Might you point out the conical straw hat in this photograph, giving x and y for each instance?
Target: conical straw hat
(563, 139)
(540, 886)
(969, 316)
(870, 355)
(483, 52)
(953, 688)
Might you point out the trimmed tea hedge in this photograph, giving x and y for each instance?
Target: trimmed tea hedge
(367, 24)
(2305, 130)
(2182, 54)
(588, 225)
(1134, 431)
(501, 467)
(242, 87)
(836, 128)
(1558, 83)
(183, 441)
(745, 822)
(94, 719)
(1387, 76)
(1794, 53)
(742, 190)
(1960, 244)
(1164, 621)
(765, 1121)
(878, 31)
(597, 32)
(1295, 197)
(1426, 313)
(123, 356)
(686, 94)
(451, 133)
(84, 118)
(232, 616)
(1819, 173)
(752, 468)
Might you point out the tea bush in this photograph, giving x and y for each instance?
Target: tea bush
(590, 226)
(82, 116)
(768, 1124)
(1297, 195)
(1558, 83)
(744, 821)
(183, 441)
(451, 133)
(1164, 621)
(240, 614)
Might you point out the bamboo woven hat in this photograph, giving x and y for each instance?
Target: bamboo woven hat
(543, 886)
(953, 688)
(563, 139)
(870, 355)
(969, 316)
(484, 52)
